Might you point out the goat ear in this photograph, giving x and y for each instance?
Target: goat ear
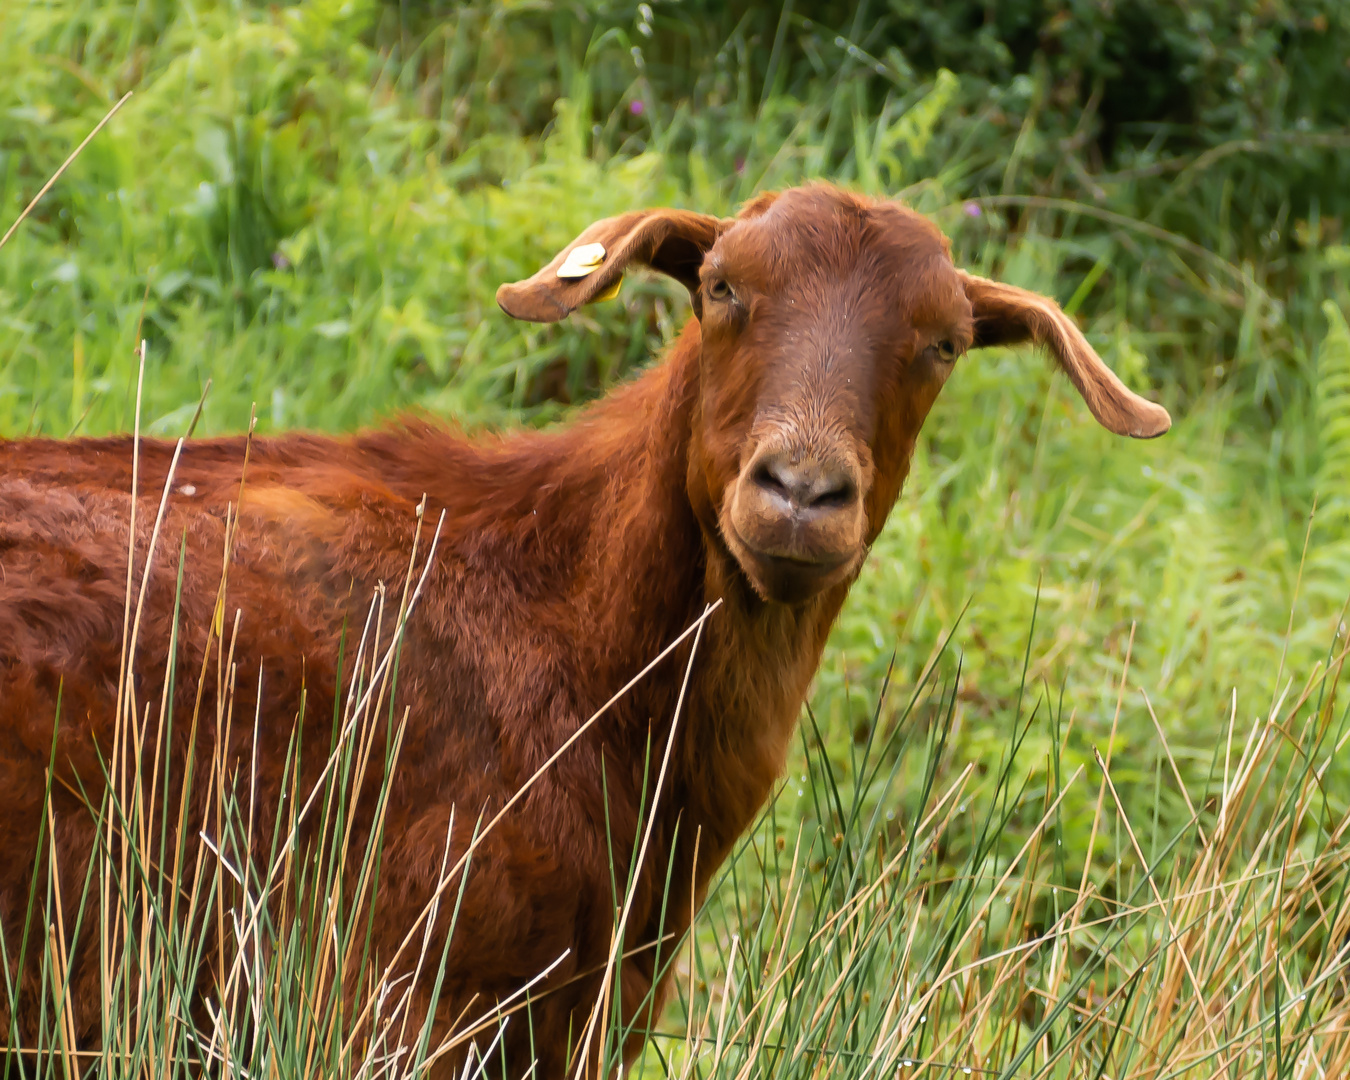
(591, 266)
(1007, 315)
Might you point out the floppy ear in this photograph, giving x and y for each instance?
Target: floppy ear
(591, 266)
(1007, 315)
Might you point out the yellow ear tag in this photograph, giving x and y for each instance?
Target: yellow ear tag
(582, 260)
(608, 293)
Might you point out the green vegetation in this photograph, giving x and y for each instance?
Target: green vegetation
(312, 206)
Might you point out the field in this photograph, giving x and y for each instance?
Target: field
(1073, 792)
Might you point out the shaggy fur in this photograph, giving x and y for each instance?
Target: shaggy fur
(825, 326)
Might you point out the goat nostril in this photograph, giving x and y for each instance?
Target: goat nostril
(772, 476)
(833, 492)
(808, 488)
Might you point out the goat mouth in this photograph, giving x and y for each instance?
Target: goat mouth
(790, 579)
(792, 564)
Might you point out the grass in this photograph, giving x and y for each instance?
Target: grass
(887, 933)
(868, 953)
(311, 207)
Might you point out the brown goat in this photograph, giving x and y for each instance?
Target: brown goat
(754, 465)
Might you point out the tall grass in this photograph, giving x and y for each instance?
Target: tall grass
(209, 957)
(890, 932)
(896, 937)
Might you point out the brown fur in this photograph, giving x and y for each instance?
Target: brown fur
(755, 464)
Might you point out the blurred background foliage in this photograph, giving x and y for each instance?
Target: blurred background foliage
(312, 205)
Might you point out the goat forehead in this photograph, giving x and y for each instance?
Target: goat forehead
(859, 314)
(807, 240)
(831, 323)
(823, 352)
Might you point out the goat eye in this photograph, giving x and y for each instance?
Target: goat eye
(946, 350)
(718, 289)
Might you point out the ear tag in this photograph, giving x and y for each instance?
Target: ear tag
(609, 292)
(582, 260)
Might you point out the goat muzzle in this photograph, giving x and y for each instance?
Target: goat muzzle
(796, 522)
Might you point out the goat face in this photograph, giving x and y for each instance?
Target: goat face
(828, 324)
(828, 328)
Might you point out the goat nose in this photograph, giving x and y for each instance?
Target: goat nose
(806, 485)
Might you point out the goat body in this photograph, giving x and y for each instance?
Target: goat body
(753, 466)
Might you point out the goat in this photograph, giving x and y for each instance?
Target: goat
(753, 465)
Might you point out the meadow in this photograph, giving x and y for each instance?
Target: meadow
(1073, 790)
